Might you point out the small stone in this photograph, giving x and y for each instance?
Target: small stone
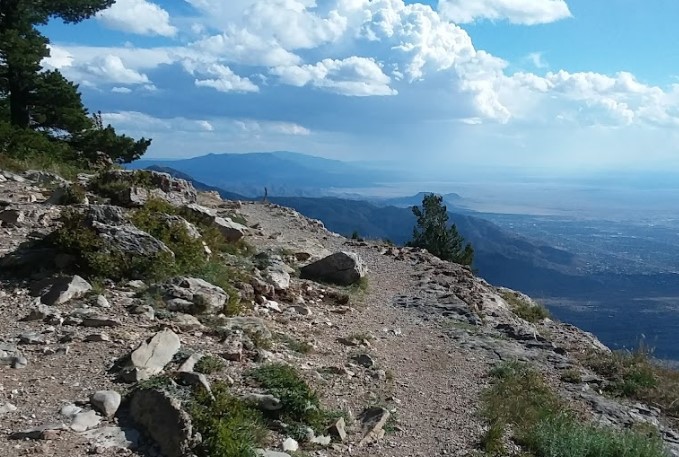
(190, 363)
(97, 338)
(66, 289)
(188, 378)
(102, 302)
(338, 429)
(32, 338)
(290, 445)
(106, 401)
(19, 362)
(301, 310)
(100, 321)
(70, 410)
(40, 312)
(364, 360)
(7, 408)
(272, 305)
(137, 284)
(264, 402)
(321, 440)
(373, 419)
(267, 453)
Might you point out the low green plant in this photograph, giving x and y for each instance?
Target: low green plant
(531, 312)
(113, 187)
(229, 427)
(73, 195)
(300, 404)
(572, 376)
(209, 364)
(293, 344)
(521, 402)
(158, 382)
(637, 375)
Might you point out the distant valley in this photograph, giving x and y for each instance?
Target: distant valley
(616, 278)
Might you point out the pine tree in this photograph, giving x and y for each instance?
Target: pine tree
(434, 234)
(33, 100)
(22, 46)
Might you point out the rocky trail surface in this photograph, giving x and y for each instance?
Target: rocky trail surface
(396, 340)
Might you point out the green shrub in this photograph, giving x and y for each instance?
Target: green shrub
(105, 185)
(98, 260)
(209, 364)
(521, 401)
(524, 309)
(73, 195)
(229, 427)
(300, 404)
(22, 150)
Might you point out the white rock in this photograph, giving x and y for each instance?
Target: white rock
(290, 445)
(106, 402)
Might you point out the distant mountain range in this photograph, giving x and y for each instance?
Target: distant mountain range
(282, 173)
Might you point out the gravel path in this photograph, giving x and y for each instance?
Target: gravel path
(436, 385)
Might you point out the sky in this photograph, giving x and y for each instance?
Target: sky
(561, 85)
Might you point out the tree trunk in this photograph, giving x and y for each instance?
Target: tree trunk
(18, 105)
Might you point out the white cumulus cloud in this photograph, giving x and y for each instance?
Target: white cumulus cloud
(220, 78)
(138, 16)
(354, 76)
(525, 12)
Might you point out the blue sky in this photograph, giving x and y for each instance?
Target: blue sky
(561, 85)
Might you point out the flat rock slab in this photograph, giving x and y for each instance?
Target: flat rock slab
(151, 356)
(113, 437)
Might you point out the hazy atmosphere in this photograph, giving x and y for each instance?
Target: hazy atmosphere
(557, 86)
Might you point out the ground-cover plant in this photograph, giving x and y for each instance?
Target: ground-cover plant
(532, 312)
(229, 426)
(301, 405)
(97, 259)
(637, 375)
(521, 402)
(113, 188)
(209, 364)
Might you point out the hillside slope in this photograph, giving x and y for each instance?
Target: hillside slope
(173, 364)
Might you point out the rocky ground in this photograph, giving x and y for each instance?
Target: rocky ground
(397, 340)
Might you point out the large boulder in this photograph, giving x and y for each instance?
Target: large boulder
(131, 240)
(164, 421)
(151, 356)
(193, 296)
(112, 226)
(341, 268)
